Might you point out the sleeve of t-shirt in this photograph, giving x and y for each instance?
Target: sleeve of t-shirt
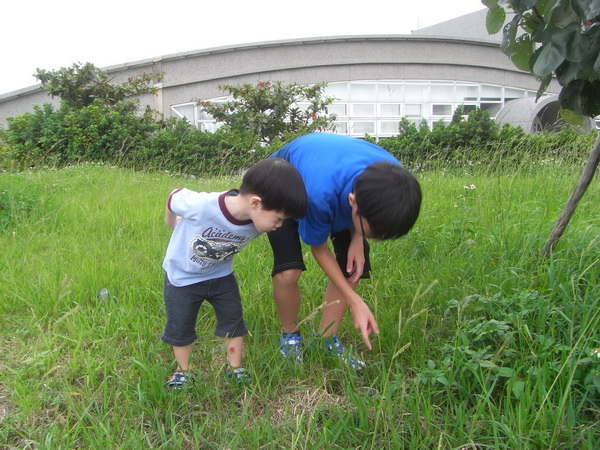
(187, 203)
(315, 227)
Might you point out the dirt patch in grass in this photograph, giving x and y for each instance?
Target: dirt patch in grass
(303, 401)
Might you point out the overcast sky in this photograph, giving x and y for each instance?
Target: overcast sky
(53, 34)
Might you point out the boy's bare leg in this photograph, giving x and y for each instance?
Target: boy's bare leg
(233, 347)
(286, 293)
(333, 312)
(182, 355)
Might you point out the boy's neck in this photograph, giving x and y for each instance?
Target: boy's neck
(238, 206)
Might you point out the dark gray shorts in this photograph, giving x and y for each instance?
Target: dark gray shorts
(287, 250)
(183, 303)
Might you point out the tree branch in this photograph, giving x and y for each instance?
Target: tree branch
(584, 181)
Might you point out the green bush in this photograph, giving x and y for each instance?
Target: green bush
(479, 140)
(180, 147)
(122, 136)
(119, 135)
(99, 133)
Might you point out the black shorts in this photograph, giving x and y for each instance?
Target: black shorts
(287, 250)
(183, 303)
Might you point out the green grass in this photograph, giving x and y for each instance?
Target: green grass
(483, 343)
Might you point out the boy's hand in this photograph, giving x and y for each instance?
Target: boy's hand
(355, 264)
(364, 321)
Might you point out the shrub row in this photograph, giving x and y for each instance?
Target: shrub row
(478, 139)
(120, 135)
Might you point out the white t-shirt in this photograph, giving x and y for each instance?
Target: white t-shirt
(205, 239)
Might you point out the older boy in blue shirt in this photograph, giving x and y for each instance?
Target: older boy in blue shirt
(356, 190)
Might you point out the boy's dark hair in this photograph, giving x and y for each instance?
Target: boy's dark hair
(389, 198)
(279, 185)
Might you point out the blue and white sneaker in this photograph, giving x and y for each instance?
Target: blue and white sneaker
(239, 375)
(178, 381)
(292, 347)
(336, 348)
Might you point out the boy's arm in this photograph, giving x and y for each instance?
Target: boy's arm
(364, 320)
(171, 218)
(355, 264)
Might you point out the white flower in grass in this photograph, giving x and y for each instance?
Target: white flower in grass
(596, 352)
(470, 187)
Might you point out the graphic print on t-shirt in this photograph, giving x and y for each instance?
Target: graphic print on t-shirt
(216, 246)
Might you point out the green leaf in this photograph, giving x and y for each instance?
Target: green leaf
(517, 388)
(523, 5)
(547, 61)
(567, 72)
(543, 86)
(509, 34)
(561, 37)
(561, 15)
(531, 22)
(590, 98)
(586, 9)
(521, 53)
(494, 20)
(491, 4)
(570, 117)
(570, 96)
(505, 372)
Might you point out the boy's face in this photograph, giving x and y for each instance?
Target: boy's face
(360, 224)
(267, 220)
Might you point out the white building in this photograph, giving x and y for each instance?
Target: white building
(376, 79)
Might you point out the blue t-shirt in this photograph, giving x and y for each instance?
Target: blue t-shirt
(329, 164)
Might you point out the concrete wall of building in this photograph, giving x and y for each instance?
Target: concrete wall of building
(197, 75)
(535, 117)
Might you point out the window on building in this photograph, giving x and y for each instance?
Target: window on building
(441, 110)
(493, 108)
(442, 93)
(491, 93)
(339, 109)
(412, 110)
(376, 107)
(338, 91)
(363, 109)
(390, 109)
(187, 111)
(389, 128)
(467, 93)
(341, 127)
(362, 128)
(390, 92)
(416, 92)
(362, 92)
(468, 108)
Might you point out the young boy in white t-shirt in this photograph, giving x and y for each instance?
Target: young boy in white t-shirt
(208, 230)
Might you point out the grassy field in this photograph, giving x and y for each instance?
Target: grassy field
(483, 343)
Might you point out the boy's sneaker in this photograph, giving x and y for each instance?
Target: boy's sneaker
(178, 381)
(336, 348)
(291, 347)
(239, 375)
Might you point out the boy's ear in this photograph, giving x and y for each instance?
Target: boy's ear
(351, 199)
(255, 202)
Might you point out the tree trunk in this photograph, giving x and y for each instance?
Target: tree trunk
(586, 178)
